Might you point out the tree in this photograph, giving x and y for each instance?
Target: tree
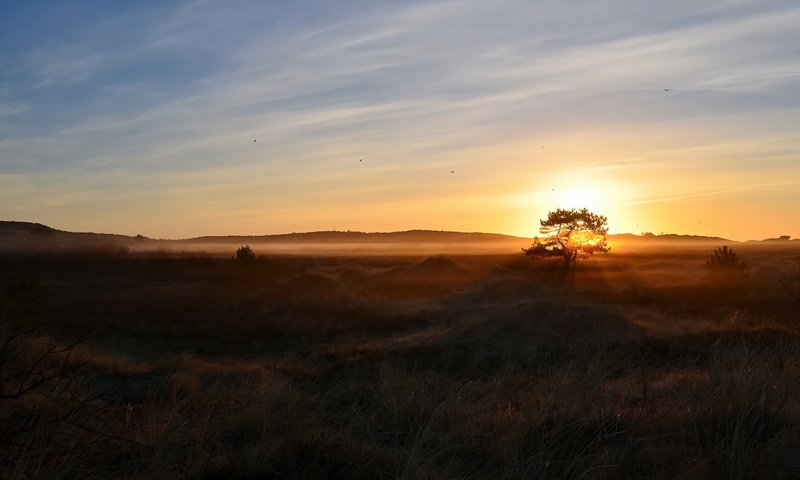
(725, 265)
(245, 254)
(569, 235)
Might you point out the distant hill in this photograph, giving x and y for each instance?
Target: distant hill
(44, 231)
(781, 239)
(667, 237)
(11, 228)
(21, 228)
(424, 236)
(28, 236)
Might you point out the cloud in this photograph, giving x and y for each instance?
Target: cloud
(11, 109)
(410, 86)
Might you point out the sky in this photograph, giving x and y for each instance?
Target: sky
(179, 119)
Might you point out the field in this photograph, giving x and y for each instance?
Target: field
(635, 364)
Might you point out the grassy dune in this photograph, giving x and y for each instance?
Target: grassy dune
(634, 365)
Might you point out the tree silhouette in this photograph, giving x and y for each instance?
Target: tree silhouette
(724, 263)
(569, 235)
(245, 254)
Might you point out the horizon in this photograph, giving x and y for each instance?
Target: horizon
(201, 118)
(425, 230)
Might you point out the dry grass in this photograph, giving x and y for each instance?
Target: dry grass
(406, 367)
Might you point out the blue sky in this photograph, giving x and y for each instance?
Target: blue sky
(139, 117)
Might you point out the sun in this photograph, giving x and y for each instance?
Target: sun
(580, 196)
(600, 194)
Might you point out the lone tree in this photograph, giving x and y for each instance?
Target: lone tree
(245, 254)
(725, 265)
(569, 235)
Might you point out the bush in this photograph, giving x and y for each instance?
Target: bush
(245, 254)
(725, 265)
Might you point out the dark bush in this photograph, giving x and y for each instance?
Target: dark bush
(245, 254)
(726, 269)
(724, 262)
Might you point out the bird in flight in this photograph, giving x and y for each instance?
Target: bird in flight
(452, 171)
(254, 141)
(361, 160)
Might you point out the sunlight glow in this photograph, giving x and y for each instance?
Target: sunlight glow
(581, 196)
(585, 239)
(596, 195)
(404, 115)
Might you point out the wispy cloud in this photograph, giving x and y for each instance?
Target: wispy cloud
(406, 85)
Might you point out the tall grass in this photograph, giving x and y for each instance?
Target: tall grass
(197, 368)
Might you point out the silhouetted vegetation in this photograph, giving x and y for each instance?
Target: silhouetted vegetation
(398, 367)
(38, 393)
(570, 235)
(245, 254)
(725, 266)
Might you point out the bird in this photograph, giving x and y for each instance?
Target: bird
(361, 160)
(452, 171)
(254, 141)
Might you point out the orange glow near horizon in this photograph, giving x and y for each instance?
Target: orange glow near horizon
(638, 195)
(405, 116)
(587, 239)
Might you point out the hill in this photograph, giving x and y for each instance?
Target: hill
(28, 236)
(667, 237)
(334, 236)
(16, 236)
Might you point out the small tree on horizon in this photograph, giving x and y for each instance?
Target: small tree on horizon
(245, 254)
(724, 264)
(570, 234)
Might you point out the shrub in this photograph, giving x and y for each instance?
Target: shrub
(725, 265)
(245, 254)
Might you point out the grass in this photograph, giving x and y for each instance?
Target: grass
(403, 367)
